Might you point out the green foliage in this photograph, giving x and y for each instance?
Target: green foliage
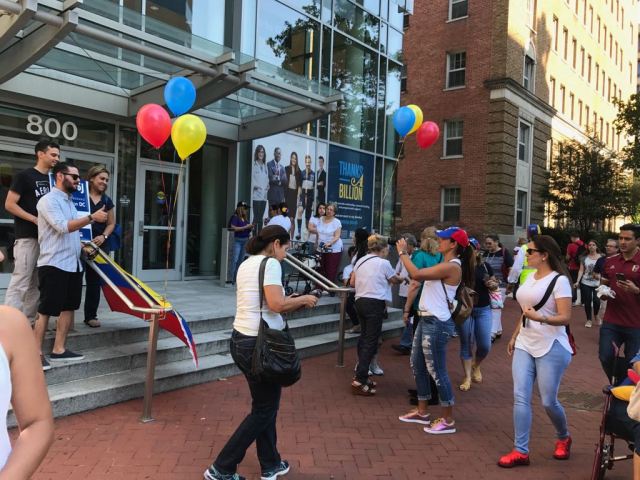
(561, 235)
(628, 123)
(587, 185)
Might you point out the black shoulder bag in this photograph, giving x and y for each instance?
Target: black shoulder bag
(541, 303)
(275, 359)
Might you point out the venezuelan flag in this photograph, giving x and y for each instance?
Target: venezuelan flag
(141, 296)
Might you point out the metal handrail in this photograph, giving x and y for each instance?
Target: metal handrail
(155, 314)
(328, 285)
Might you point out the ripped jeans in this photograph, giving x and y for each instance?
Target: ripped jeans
(429, 357)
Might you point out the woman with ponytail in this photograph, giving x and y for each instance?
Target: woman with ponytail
(435, 325)
(260, 424)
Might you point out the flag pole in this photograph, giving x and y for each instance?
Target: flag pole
(151, 369)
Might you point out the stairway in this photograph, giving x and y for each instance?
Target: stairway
(114, 366)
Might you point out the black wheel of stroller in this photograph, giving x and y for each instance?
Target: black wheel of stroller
(288, 290)
(603, 460)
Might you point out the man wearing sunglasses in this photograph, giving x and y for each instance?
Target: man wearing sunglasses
(59, 265)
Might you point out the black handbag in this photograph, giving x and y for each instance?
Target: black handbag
(275, 359)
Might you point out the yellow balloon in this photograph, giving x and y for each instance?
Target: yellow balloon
(418, 111)
(188, 134)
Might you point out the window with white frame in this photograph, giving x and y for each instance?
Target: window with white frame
(456, 69)
(531, 13)
(524, 142)
(458, 9)
(521, 208)
(450, 204)
(453, 138)
(529, 73)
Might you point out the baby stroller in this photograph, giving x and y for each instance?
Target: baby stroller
(294, 280)
(616, 427)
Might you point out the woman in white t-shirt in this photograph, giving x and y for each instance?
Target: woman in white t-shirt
(540, 348)
(329, 230)
(372, 277)
(22, 383)
(260, 424)
(280, 216)
(312, 226)
(588, 281)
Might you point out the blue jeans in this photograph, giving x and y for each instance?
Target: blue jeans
(477, 329)
(548, 370)
(258, 426)
(615, 334)
(429, 357)
(238, 255)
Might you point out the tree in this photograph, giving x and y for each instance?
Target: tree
(587, 185)
(628, 123)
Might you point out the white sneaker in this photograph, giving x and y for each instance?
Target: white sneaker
(375, 368)
(588, 324)
(356, 368)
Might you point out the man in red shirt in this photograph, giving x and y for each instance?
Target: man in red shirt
(573, 262)
(622, 319)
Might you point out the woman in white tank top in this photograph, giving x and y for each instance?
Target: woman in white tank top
(435, 326)
(20, 360)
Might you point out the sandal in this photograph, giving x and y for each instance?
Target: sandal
(93, 323)
(465, 385)
(365, 389)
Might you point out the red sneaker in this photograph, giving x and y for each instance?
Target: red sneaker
(563, 449)
(513, 459)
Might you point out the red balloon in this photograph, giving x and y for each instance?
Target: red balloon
(427, 134)
(154, 124)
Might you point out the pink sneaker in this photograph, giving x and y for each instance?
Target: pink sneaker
(415, 417)
(441, 427)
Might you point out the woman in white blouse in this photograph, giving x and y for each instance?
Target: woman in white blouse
(22, 383)
(541, 348)
(329, 230)
(260, 186)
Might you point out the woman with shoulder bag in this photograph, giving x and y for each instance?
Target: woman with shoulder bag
(98, 178)
(435, 324)
(477, 328)
(541, 348)
(260, 424)
(372, 277)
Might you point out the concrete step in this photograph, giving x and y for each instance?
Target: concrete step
(83, 394)
(129, 356)
(127, 329)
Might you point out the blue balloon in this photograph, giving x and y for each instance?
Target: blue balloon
(179, 95)
(403, 120)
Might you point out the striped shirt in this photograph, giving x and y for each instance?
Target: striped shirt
(58, 247)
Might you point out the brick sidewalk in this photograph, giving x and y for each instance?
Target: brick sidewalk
(326, 433)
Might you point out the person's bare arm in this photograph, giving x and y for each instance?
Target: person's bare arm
(30, 399)
(563, 317)
(279, 303)
(11, 206)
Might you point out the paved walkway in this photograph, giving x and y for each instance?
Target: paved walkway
(326, 433)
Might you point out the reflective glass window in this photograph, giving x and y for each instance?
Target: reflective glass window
(355, 74)
(396, 15)
(394, 46)
(326, 10)
(382, 95)
(392, 104)
(372, 6)
(248, 33)
(288, 39)
(388, 197)
(354, 21)
(450, 204)
(383, 37)
(310, 7)
(453, 138)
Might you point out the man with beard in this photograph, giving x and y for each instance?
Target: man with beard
(59, 266)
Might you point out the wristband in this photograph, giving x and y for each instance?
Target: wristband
(90, 218)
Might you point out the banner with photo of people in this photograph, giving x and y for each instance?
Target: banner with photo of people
(292, 170)
(351, 178)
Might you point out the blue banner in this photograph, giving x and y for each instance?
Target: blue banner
(80, 199)
(350, 186)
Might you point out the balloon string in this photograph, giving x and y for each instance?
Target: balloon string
(173, 211)
(395, 167)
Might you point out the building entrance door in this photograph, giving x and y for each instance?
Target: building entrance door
(159, 221)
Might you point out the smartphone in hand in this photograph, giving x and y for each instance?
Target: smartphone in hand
(620, 277)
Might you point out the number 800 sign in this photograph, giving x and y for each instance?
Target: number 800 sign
(51, 127)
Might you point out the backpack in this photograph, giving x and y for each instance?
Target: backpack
(462, 304)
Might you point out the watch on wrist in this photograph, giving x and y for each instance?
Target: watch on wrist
(402, 252)
(90, 218)
(105, 236)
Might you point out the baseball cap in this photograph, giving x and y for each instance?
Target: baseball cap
(455, 233)
(533, 229)
(242, 204)
(474, 243)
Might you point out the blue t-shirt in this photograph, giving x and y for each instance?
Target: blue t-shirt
(422, 259)
(236, 221)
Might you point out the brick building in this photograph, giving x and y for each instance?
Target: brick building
(506, 81)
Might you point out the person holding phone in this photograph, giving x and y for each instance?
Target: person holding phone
(621, 323)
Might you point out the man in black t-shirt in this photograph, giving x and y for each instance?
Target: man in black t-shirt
(27, 188)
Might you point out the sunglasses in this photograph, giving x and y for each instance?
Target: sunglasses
(75, 176)
(533, 250)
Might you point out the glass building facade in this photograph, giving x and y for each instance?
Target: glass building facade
(326, 72)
